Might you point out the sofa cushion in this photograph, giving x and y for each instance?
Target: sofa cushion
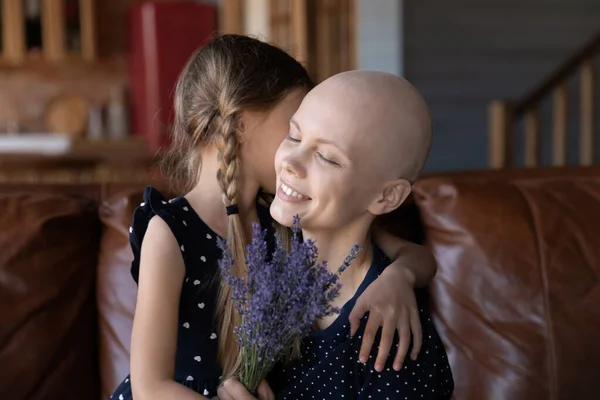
(517, 294)
(116, 289)
(48, 329)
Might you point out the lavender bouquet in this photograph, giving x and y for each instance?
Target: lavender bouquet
(278, 298)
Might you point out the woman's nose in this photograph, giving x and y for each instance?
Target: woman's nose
(293, 165)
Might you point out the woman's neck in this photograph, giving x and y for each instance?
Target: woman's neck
(335, 245)
(207, 197)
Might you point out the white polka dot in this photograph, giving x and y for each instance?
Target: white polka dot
(213, 336)
(130, 229)
(186, 325)
(184, 223)
(196, 282)
(164, 202)
(182, 248)
(198, 358)
(203, 259)
(208, 236)
(142, 204)
(205, 392)
(185, 208)
(200, 305)
(189, 378)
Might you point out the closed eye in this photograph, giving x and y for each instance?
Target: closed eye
(291, 139)
(328, 161)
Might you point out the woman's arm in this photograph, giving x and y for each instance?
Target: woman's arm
(155, 324)
(390, 300)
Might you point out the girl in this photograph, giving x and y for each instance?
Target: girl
(233, 103)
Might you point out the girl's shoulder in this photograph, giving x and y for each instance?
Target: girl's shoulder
(197, 242)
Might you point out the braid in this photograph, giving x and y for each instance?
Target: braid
(229, 180)
(229, 172)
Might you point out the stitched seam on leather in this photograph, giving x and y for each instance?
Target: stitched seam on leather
(552, 363)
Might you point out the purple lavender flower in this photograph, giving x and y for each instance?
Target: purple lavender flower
(279, 298)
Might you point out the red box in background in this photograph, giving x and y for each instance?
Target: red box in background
(162, 38)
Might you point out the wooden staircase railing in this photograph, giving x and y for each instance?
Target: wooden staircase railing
(504, 115)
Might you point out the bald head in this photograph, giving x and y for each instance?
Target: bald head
(387, 116)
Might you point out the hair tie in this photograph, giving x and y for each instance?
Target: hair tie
(232, 209)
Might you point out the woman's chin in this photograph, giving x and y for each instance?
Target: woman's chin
(281, 213)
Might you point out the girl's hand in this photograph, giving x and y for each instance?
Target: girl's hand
(391, 304)
(232, 389)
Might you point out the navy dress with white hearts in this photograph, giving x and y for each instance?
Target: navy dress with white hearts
(196, 365)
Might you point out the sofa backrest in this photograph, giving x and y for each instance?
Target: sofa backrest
(517, 293)
(51, 243)
(48, 327)
(516, 298)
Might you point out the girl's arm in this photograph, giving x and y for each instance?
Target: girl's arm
(232, 389)
(390, 300)
(154, 335)
(412, 260)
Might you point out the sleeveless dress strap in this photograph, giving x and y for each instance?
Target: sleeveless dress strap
(155, 204)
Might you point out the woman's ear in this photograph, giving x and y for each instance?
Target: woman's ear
(391, 197)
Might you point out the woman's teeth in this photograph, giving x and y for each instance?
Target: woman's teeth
(291, 192)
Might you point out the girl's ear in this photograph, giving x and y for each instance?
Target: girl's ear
(391, 197)
(244, 119)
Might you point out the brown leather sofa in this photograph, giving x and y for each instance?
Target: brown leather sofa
(516, 297)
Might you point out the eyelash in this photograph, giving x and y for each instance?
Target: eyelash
(321, 158)
(327, 161)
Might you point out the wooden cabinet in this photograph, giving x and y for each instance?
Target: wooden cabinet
(319, 33)
(47, 30)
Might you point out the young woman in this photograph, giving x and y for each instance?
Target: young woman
(342, 183)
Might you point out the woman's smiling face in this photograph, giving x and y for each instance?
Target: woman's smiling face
(321, 168)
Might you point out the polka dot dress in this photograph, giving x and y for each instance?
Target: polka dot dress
(329, 367)
(196, 363)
